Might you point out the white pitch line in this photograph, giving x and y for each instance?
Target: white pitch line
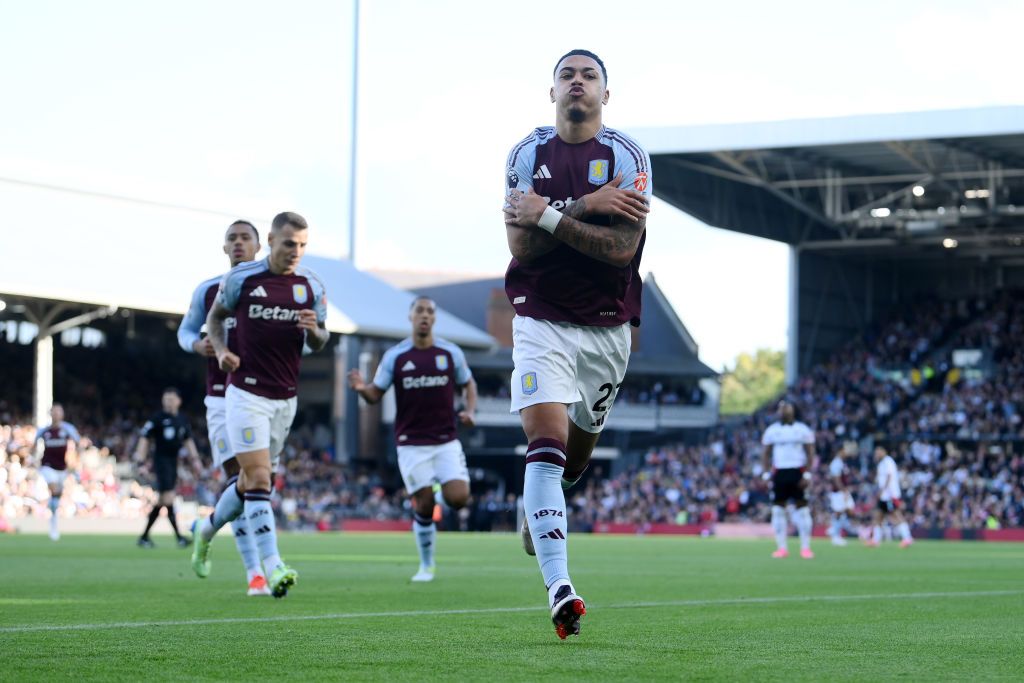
(500, 610)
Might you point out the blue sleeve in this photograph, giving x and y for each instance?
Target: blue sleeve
(319, 298)
(633, 162)
(462, 371)
(231, 286)
(386, 370)
(75, 436)
(195, 318)
(519, 169)
(39, 435)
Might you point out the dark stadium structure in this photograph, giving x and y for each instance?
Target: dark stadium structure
(878, 210)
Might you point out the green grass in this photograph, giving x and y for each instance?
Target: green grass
(660, 608)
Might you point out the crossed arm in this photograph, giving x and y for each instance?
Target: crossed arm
(615, 244)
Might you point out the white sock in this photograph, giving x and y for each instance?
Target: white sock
(904, 530)
(246, 544)
(425, 532)
(263, 526)
(876, 534)
(544, 504)
(804, 524)
(779, 526)
(229, 507)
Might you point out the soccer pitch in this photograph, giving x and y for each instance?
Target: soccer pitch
(660, 608)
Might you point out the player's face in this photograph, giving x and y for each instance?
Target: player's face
(171, 402)
(579, 91)
(786, 413)
(422, 316)
(287, 246)
(240, 244)
(57, 414)
(879, 454)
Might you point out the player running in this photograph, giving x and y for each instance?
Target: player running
(788, 449)
(241, 243)
(425, 371)
(54, 464)
(889, 504)
(170, 432)
(840, 500)
(575, 219)
(278, 306)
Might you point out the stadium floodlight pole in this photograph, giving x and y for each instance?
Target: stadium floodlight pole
(43, 375)
(353, 137)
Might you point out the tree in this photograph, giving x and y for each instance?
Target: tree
(753, 381)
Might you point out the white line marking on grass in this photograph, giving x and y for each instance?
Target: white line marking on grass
(500, 610)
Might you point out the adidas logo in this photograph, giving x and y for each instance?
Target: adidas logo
(259, 291)
(262, 530)
(554, 535)
(542, 172)
(409, 365)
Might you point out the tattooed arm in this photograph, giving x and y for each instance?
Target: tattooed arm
(615, 244)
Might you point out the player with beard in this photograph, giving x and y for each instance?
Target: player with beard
(576, 204)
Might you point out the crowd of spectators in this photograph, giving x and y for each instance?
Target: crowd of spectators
(958, 441)
(965, 469)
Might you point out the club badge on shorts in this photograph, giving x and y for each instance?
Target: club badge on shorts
(598, 172)
(530, 383)
(248, 435)
(442, 362)
(222, 445)
(300, 294)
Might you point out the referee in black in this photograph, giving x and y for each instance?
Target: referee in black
(169, 431)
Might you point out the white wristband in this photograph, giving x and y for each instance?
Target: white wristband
(549, 219)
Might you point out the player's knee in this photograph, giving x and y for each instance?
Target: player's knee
(457, 501)
(231, 467)
(545, 421)
(423, 502)
(257, 478)
(456, 495)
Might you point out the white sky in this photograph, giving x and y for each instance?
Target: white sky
(243, 107)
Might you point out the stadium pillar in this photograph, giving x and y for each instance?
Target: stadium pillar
(346, 409)
(43, 398)
(793, 342)
(351, 433)
(346, 403)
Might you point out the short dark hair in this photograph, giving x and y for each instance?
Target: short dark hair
(582, 53)
(289, 218)
(421, 298)
(172, 390)
(251, 226)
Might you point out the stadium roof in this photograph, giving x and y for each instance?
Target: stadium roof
(358, 303)
(892, 185)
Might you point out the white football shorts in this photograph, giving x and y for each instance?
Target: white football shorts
(840, 501)
(217, 429)
(53, 477)
(421, 466)
(255, 423)
(582, 367)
